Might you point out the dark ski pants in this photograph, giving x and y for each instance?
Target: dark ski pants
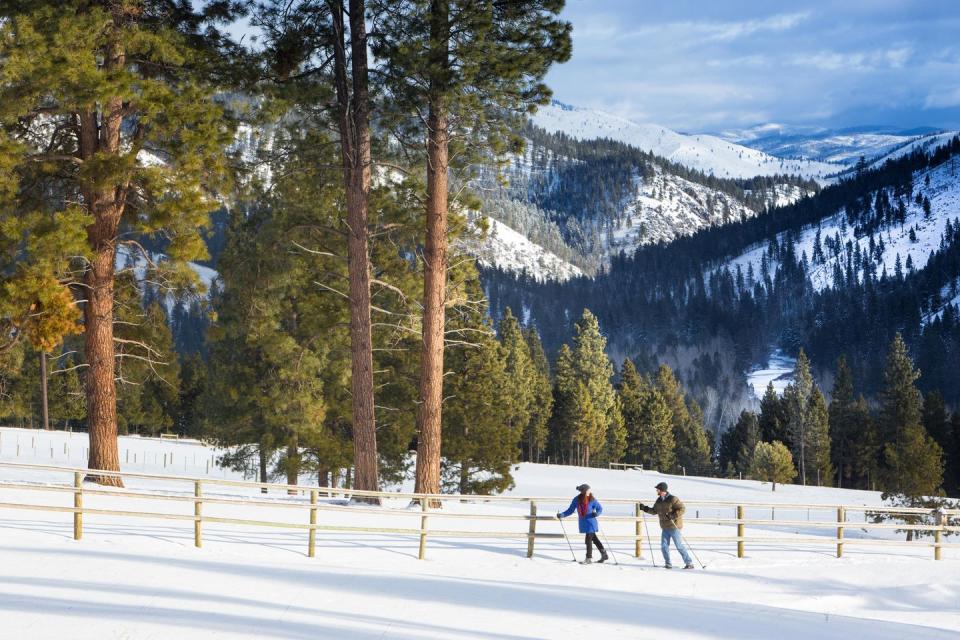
(590, 540)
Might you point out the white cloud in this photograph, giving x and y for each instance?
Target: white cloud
(855, 60)
(943, 99)
(692, 32)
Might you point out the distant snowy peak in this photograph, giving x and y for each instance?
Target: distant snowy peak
(845, 146)
(706, 153)
(925, 143)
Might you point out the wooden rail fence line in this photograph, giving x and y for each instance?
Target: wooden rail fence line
(941, 518)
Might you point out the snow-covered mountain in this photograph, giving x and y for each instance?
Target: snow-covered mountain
(574, 205)
(512, 251)
(926, 143)
(665, 206)
(910, 243)
(843, 146)
(703, 152)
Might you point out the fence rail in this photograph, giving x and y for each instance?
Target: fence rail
(293, 499)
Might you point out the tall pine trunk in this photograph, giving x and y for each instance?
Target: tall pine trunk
(354, 125)
(105, 204)
(435, 262)
(101, 388)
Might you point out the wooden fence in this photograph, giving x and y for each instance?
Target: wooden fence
(306, 500)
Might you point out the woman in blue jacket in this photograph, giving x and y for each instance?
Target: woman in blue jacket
(587, 508)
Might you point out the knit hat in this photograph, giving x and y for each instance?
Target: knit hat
(662, 486)
(583, 487)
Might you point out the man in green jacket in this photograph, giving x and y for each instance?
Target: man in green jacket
(669, 510)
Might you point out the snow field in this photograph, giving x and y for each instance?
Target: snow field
(140, 578)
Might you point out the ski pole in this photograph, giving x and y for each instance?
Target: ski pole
(567, 538)
(649, 540)
(687, 545)
(609, 546)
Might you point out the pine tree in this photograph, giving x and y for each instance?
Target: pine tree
(692, 446)
(749, 427)
(193, 386)
(313, 49)
(797, 399)
(564, 406)
(114, 84)
(737, 444)
(469, 72)
(953, 458)
(935, 418)
(267, 372)
(647, 421)
(16, 381)
(773, 416)
(519, 370)
(594, 370)
(147, 370)
(483, 415)
(541, 407)
(772, 463)
(66, 392)
(818, 438)
(866, 461)
(844, 434)
(353, 119)
(913, 465)
(588, 424)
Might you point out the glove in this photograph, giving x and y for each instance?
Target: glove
(642, 506)
(559, 516)
(593, 514)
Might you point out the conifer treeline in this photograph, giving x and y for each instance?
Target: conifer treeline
(117, 122)
(684, 304)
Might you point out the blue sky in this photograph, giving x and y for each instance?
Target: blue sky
(710, 65)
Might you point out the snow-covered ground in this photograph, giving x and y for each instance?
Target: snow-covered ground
(139, 578)
(703, 152)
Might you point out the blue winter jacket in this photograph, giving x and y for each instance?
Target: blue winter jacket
(588, 524)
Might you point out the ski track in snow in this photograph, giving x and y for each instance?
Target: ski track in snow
(135, 578)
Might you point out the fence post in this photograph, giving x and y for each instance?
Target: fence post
(841, 518)
(740, 531)
(638, 542)
(312, 540)
(78, 505)
(533, 528)
(198, 514)
(940, 522)
(423, 528)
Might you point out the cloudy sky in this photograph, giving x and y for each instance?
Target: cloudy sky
(709, 65)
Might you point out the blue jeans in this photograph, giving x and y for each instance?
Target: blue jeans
(666, 535)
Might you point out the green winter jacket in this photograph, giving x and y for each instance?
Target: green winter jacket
(670, 511)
